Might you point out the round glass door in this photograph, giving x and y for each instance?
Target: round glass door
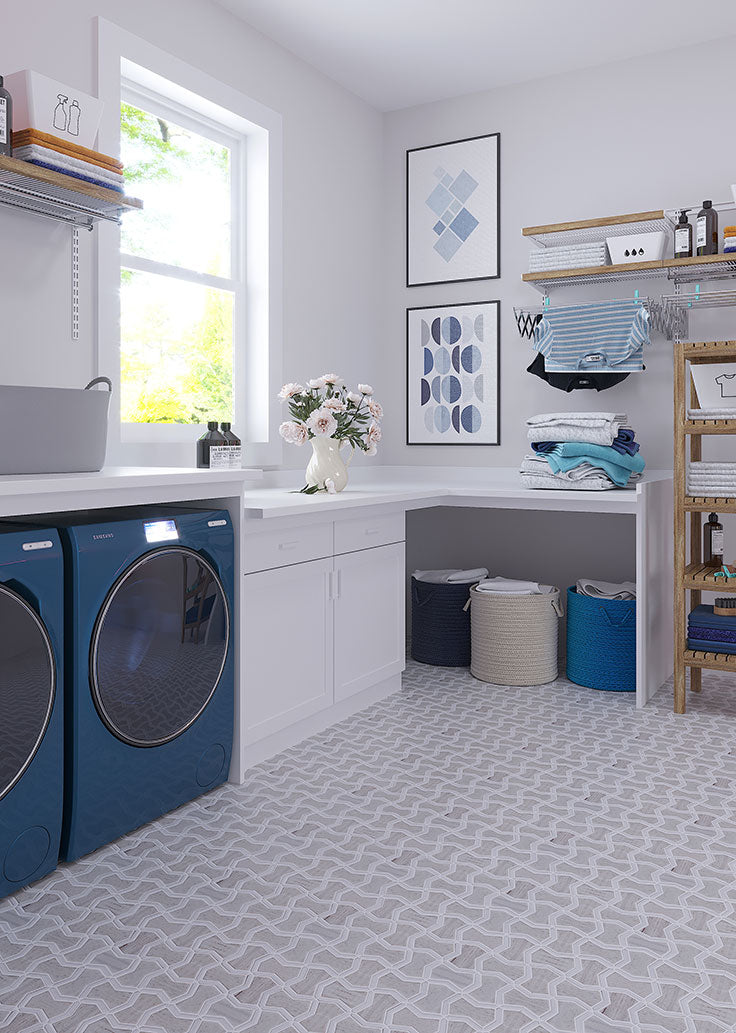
(159, 646)
(27, 685)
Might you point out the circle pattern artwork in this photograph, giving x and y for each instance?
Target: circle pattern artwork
(454, 385)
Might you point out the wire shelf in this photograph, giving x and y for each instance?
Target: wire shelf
(591, 231)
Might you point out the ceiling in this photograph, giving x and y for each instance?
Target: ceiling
(398, 53)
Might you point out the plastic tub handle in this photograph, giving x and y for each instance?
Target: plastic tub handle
(100, 380)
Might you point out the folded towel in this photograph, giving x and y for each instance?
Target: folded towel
(625, 442)
(711, 414)
(713, 634)
(57, 167)
(451, 576)
(23, 137)
(598, 428)
(706, 646)
(703, 617)
(508, 586)
(45, 154)
(549, 481)
(568, 455)
(606, 589)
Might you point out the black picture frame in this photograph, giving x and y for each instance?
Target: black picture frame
(451, 143)
(464, 443)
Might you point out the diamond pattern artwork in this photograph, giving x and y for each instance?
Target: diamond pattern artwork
(457, 858)
(448, 192)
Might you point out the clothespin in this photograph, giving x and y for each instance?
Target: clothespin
(725, 572)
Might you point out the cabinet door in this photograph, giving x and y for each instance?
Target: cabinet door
(369, 618)
(288, 655)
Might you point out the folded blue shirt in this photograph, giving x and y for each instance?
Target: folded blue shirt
(567, 455)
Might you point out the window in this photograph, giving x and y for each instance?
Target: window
(181, 280)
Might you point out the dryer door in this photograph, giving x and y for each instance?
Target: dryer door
(159, 646)
(27, 685)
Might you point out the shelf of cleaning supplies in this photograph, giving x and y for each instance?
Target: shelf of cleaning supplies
(56, 196)
(593, 231)
(700, 578)
(712, 661)
(681, 270)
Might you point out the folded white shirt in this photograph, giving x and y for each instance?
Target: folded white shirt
(451, 576)
(606, 589)
(597, 428)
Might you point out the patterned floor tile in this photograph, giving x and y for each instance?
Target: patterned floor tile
(459, 858)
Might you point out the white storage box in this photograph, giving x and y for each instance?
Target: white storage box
(52, 107)
(636, 247)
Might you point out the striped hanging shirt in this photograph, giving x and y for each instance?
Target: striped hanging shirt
(605, 337)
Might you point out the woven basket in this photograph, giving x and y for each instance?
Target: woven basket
(514, 637)
(601, 642)
(440, 625)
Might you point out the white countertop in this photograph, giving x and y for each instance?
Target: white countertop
(421, 487)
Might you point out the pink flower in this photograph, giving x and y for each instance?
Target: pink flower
(373, 435)
(365, 389)
(289, 390)
(331, 378)
(293, 433)
(375, 408)
(334, 404)
(322, 423)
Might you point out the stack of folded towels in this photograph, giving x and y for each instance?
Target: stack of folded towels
(712, 480)
(71, 159)
(729, 239)
(711, 632)
(581, 451)
(569, 256)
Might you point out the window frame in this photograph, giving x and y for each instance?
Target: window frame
(127, 65)
(158, 105)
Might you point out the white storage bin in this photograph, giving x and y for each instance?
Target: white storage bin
(637, 247)
(52, 107)
(514, 637)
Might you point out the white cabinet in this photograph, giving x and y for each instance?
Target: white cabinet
(288, 656)
(320, 632)
(369, 618)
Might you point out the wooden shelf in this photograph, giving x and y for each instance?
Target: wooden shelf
(721, 426)
(709, 351)
(56, 196)
(596, 230)
(712, 661)
(701, 504)
(700, 578)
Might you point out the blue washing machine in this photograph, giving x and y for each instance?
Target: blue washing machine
(31, 703)
(150, 666)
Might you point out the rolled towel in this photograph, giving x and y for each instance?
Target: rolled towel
(606, 589)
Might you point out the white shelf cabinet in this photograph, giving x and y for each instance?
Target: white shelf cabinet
(324, 623)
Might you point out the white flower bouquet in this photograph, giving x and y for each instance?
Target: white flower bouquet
(326, 411)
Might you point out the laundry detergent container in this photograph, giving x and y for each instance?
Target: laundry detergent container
(514, 637)
(440, 624)
(601, 642)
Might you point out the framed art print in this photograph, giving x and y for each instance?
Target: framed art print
(452, 367)
(452, 211)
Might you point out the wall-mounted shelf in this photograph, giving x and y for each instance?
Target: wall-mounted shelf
(683, 270)
(593, 231)
(52, 195)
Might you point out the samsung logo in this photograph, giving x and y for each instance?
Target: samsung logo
(97, 537)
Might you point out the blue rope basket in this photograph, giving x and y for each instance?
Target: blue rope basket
(601, 642)
(440, 626)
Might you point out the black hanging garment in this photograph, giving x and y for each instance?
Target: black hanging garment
(574, 381)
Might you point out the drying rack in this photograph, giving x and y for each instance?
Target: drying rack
(663, 318)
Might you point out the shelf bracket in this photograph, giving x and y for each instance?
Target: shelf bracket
(75, 283)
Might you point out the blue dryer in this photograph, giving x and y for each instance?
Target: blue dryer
(31, 703)
(150, 667)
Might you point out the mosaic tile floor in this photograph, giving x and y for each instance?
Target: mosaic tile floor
(455, 859)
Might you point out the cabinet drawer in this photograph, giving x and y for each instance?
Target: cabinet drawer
(367, 532)
(268, 549)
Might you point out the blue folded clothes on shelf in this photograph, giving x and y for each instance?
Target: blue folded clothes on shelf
(710, 632)
(607, 336)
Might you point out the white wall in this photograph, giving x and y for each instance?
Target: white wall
(622, 138)
(332, 193)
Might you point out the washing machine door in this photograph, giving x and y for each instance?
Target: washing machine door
(159, 646)
(27, 685)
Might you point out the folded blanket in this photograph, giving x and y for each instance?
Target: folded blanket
(567, 455)
(45, 154)
(451, 576)
(606, 589)
(508, 586)
(600, 428)
(707, 646)
(703, 617)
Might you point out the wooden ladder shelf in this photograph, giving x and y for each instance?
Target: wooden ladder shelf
(692, 577)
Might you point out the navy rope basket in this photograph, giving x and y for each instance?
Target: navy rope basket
(601, 642)
(440, 626)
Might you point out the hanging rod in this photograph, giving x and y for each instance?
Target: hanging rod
(663, 320)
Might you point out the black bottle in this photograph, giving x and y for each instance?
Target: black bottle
(206, 442)
(706, 237)
(683, 237)
(6, 121)
(713, 542)
(233, 441)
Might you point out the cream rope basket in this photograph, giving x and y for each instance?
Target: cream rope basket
(514, 637)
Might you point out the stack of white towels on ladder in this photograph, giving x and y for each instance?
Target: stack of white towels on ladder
(581, 451)
(711, 480)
